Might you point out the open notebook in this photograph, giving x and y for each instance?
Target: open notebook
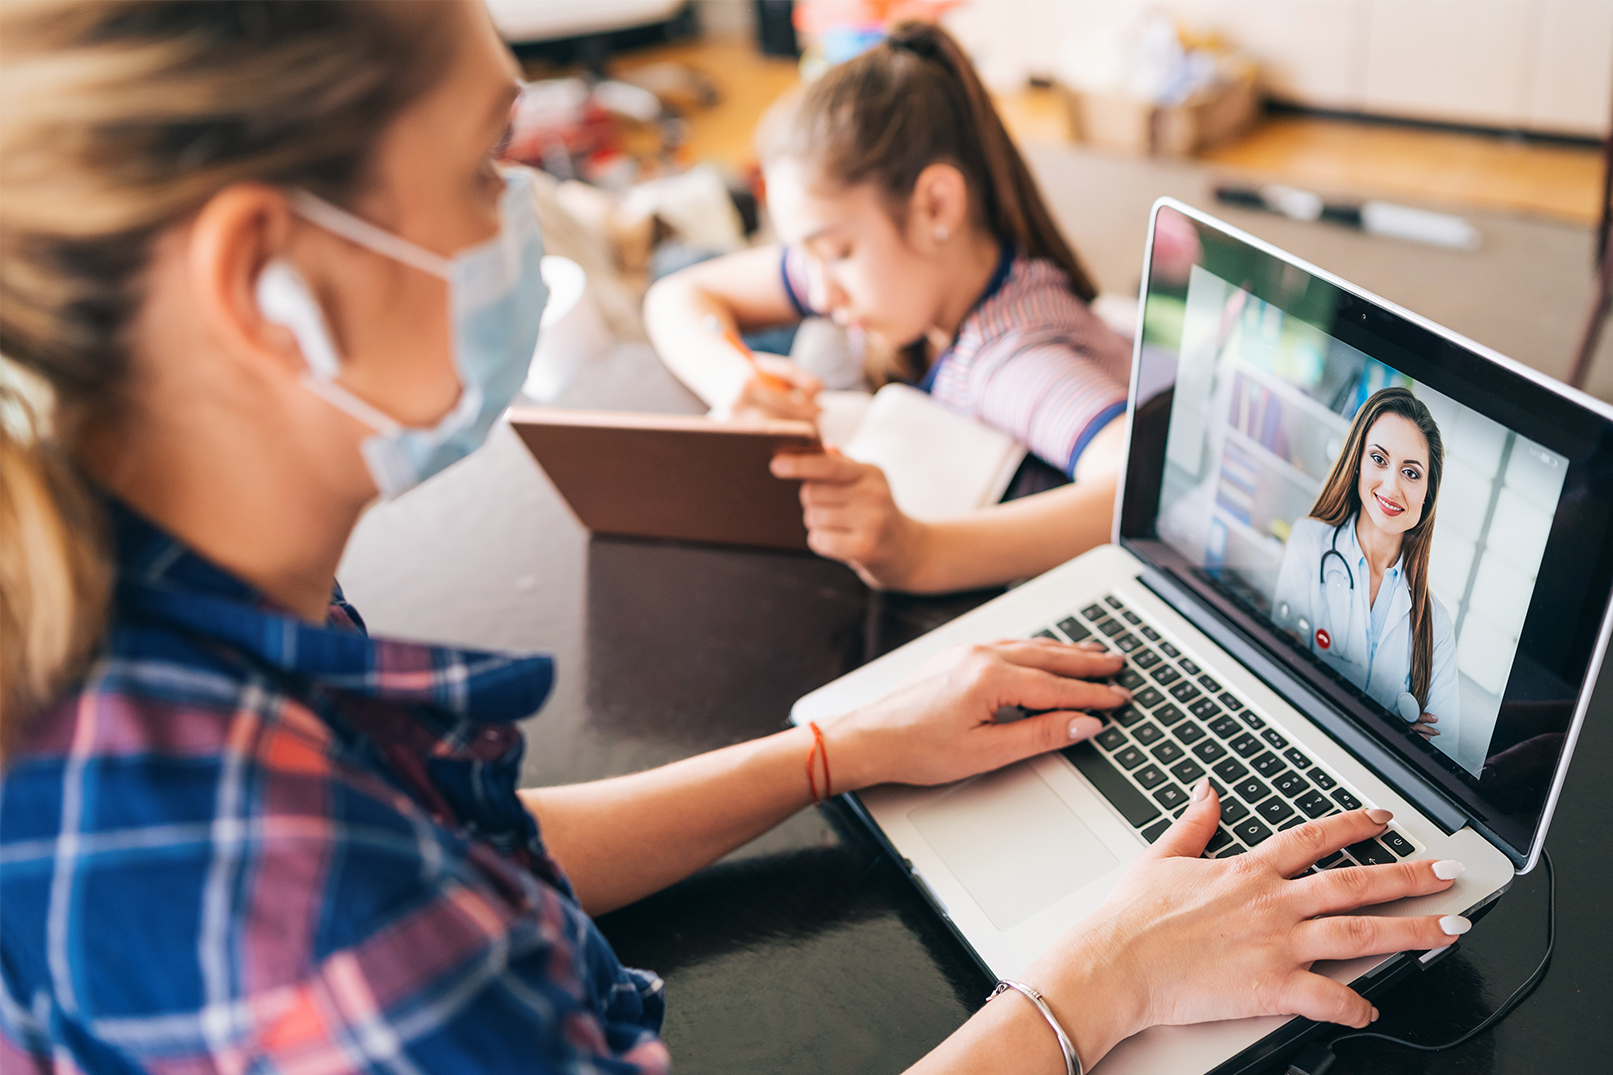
(940, 464)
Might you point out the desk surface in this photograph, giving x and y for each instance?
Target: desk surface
(808, 951)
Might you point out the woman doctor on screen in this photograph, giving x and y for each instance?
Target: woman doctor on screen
(1354, 579)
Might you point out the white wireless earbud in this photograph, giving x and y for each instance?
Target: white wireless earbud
(285, 299)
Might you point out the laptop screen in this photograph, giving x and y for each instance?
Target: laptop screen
(1418, 532)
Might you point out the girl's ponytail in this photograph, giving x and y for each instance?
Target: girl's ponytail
(913, 101)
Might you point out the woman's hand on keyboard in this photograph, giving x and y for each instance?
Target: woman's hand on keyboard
(943, 724)
(1184, 939)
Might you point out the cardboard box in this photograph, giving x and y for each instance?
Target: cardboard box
(1117, 121)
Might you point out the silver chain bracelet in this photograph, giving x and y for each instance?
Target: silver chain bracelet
(1072, 1063)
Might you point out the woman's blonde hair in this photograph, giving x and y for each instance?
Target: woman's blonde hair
(1340, 501)
(910, 102)
(118, 121)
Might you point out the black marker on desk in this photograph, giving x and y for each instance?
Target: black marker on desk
(1372, 217)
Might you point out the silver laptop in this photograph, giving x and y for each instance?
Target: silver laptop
(1236, 590)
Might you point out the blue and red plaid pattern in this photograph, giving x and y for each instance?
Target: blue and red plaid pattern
(249, 843)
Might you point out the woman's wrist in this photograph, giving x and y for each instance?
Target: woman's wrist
(1090, 992)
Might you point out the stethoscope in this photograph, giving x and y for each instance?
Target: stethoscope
(1321, 571)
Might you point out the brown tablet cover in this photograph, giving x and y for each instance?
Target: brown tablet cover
(671, 476)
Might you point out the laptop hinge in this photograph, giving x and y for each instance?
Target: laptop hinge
(1406, 780)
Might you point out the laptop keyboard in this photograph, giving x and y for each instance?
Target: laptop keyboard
(1183, 724)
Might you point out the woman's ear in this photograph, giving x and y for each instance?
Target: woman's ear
(230, 241)
(938, 211)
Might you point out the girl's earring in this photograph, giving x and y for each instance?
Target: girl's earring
(941, 233)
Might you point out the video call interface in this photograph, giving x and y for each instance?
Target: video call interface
(1387, 531)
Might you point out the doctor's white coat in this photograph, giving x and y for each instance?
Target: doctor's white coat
(1300, 604)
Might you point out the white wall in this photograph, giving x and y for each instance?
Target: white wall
(1537, 64)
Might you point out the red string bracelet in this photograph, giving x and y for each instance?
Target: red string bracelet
(811, 768)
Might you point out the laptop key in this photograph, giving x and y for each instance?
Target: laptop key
(1290, 783)
(1128, 642)
(1189, 667)
(1320, 778)
(1170, 796)
(1169, 650)
(1232, 811)
(1268, 765)
(1074, 629)
(1165, 675)
(1129, 679)
(1167, 715)
(1186, 771)
(1131, 617)
(1314, 803)
(1157, 829)
(1396, 843)
(1251, 719)
(1245, 745)
(1218, 839)
(1329, 861)
(1270, 735)
(1184, 692)
(1149, 776)
(1189, 733)
(1225, 727)
(1205, 709)
(1209, 684)
(1045, 633)
(1297, 819)
(1251, 790)
(1300, 761)
(1346, 800)
(1210, 750)
(1148, 698)
(1168, 753)
(1148, 733)
(1125, 716)
(1111, 738)
(1370, 853)
(1111, 627)
(1230, 702)
(1275, 810)
(1150, 634)
(1113, 602)
(1145, 659)
(1094, 612)
(1231, 770)
(1251, 831)
(1112, 784)
(1129, 758)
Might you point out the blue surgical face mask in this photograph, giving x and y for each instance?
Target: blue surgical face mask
(496, 296)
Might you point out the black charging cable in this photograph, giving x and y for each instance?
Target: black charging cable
(1317, 1058)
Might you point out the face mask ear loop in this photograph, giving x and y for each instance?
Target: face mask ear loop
(360, 231)
(351, 405)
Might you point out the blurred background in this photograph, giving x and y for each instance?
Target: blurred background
(1493, 113)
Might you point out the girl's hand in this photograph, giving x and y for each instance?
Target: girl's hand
(1184, 940)
(1424, 725)
(851, 517)
(942, 725)
(780, 389)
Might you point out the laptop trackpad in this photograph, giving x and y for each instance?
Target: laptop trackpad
(1012, 842)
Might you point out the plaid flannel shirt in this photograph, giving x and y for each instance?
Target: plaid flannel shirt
(248, 843)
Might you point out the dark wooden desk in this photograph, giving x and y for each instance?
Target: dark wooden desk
(808, 951)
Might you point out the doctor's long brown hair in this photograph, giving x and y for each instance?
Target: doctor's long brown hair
(1340, 500)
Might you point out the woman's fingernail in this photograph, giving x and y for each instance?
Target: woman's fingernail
(1454, 925)
(1123, 692)
(1094, 647)
(1374, 1018)
(1380, 816)
(1083, 727)
(1448, 869)
(1201, 790)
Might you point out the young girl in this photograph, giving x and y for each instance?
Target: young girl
(908, 216)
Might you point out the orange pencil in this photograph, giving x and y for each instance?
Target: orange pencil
(772, 380)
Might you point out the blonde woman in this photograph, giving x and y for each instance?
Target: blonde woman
(1353, 586)
(260, 258)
